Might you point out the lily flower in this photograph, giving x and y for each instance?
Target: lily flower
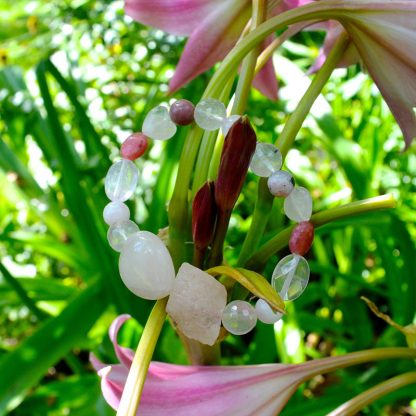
(214, 390)
(213, 27)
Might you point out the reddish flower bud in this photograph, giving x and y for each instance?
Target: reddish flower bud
(239, 146)
(301, 238)
(204, 214)
(134, 146)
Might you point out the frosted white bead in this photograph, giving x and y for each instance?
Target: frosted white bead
(146, 267)
(118, 234)
(157, 125)
(121, 180)
(116, 212)
(291, 276)
(228, 122)
(196, 303)
(239, 317)
(281, 183)
(298, 205)
(265, 313)
(209, 114)
(266, 160)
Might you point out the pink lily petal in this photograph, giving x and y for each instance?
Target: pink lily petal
(125, 355)
(113, 379)
(179, 17)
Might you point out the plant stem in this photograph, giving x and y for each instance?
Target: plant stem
(215, 257)
(353, 406)
(137, 375)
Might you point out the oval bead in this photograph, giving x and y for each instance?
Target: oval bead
(266, 160)
(301, 238)
(121, 180)
(115, 212)
(281, 183)
(158, 125)
(209, 114)
(298, 205)
(118, 234)
(265, 313)
(134, 146)
(239, 317)
(146, 266)
(182, 112)
(228, 122)
(291, 276)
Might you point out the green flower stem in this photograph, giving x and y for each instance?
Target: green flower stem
(260, 257)
(353, 406)
(137, 375)
(215, 257)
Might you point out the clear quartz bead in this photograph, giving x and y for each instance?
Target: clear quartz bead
(146, 266)
(280, 183)
(239, 317)
(158, 125)
(209, 114)
(291, 276)
(298, 205)
(118, 234)
(228, 122)
(266, 160)
(116, 212)
(121, 180)
(265, 313)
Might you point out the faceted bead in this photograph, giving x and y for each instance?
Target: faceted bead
(301, 238)
(182, 112)
(239, 317)
(134, 146)
(281, 183)
(265, 313)
(228, 122)
(146, 267)
(196, 303)
(266, 160)
(209, 114)
(291, 276)
(121, 180)
(158, 125)
(118, 234)
(298, 205)
(116, 212)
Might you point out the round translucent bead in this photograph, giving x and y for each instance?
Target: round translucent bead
(182, 112)
(228, 122)
(281, 183)
(146, 267)
(239, 317)
(118, 234)
(291, 276)
(265, 313)
(116, 212)
(158, 125)
(298, 205)
(209, 114)
(121, 180)
(266, 160)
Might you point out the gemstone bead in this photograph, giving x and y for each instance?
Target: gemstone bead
(121, 180)
(118, 234)
(266, 160)
(182, 112)
(281, 183)
(301, 238)
(158, 125)
(134, 146)
(265, 313)
(209, 114)
(239, 317)
(298, 205)
(146, 267)
(291, 276)
(228, 122)
(116, 212)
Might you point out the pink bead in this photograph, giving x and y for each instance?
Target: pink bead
(182, 112)
(134, 146)
(301, 238)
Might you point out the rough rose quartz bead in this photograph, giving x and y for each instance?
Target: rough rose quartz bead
(301, 238)
(182, 112)
(134, 146)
